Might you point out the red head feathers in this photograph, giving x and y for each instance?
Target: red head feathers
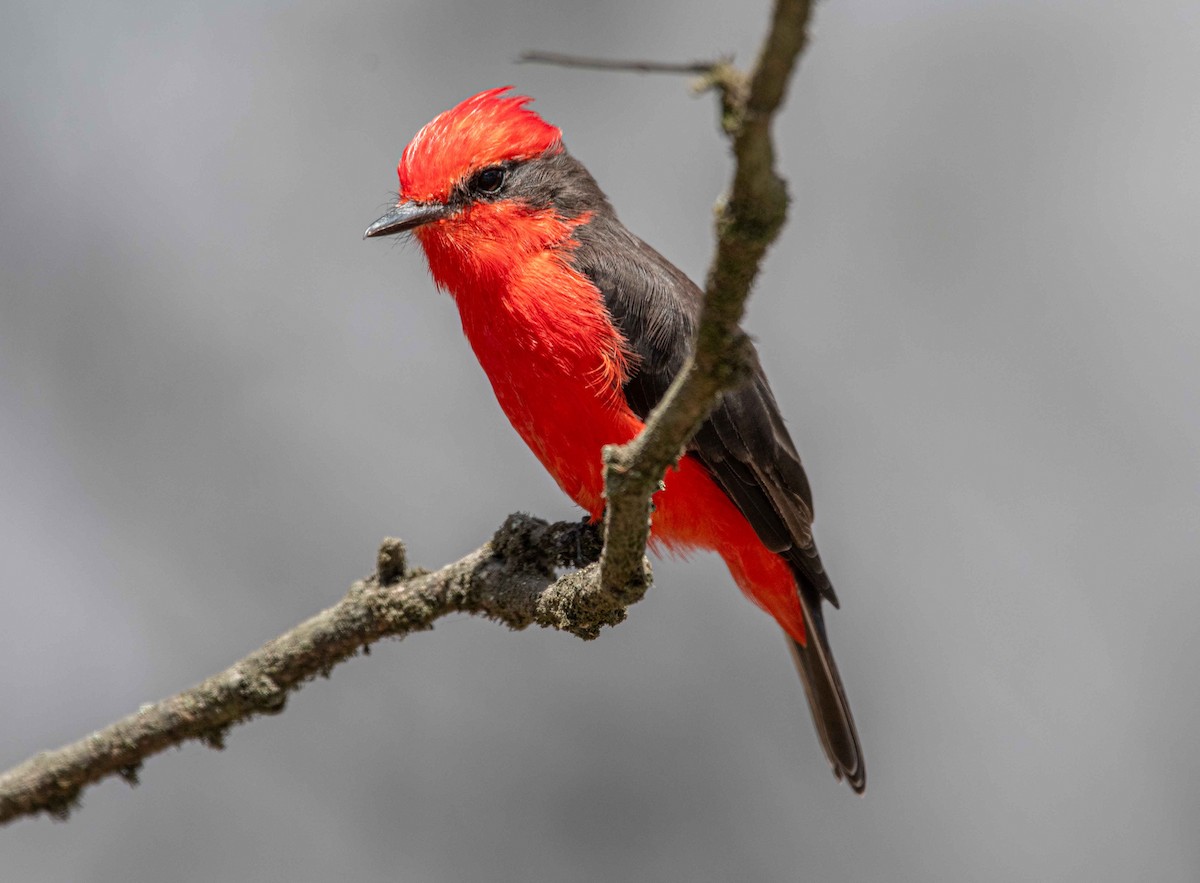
(484, 130)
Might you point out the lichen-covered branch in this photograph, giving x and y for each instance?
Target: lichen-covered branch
(748, 222)
(510, 579)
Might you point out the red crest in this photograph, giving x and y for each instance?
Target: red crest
(484, 130)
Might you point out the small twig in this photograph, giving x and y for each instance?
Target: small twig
(612, 64)
(721, 76)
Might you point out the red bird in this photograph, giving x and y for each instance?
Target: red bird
(580, 327)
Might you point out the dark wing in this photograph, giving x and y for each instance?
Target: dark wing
(744, 446)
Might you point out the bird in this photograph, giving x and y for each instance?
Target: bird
(580, 327)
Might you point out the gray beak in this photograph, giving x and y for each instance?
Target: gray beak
(406, 216)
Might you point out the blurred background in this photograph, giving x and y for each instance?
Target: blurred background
(982, 321)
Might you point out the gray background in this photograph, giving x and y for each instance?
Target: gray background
(982, 321)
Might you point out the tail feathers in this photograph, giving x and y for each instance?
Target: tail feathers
(827, 698)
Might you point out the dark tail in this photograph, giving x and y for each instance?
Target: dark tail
(826, 697)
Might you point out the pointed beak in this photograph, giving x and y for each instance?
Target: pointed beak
(406, 216)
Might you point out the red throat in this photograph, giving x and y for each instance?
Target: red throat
(541, 334)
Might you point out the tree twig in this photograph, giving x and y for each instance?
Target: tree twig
(748, 221)
(560, 59)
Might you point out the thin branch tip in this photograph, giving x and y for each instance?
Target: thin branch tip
(640, 66)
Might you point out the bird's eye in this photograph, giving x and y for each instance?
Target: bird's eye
(489, 180)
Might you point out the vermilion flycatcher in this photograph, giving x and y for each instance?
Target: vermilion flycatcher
(580, 327)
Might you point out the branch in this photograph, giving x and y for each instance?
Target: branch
(748, 222)
(510, 579)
